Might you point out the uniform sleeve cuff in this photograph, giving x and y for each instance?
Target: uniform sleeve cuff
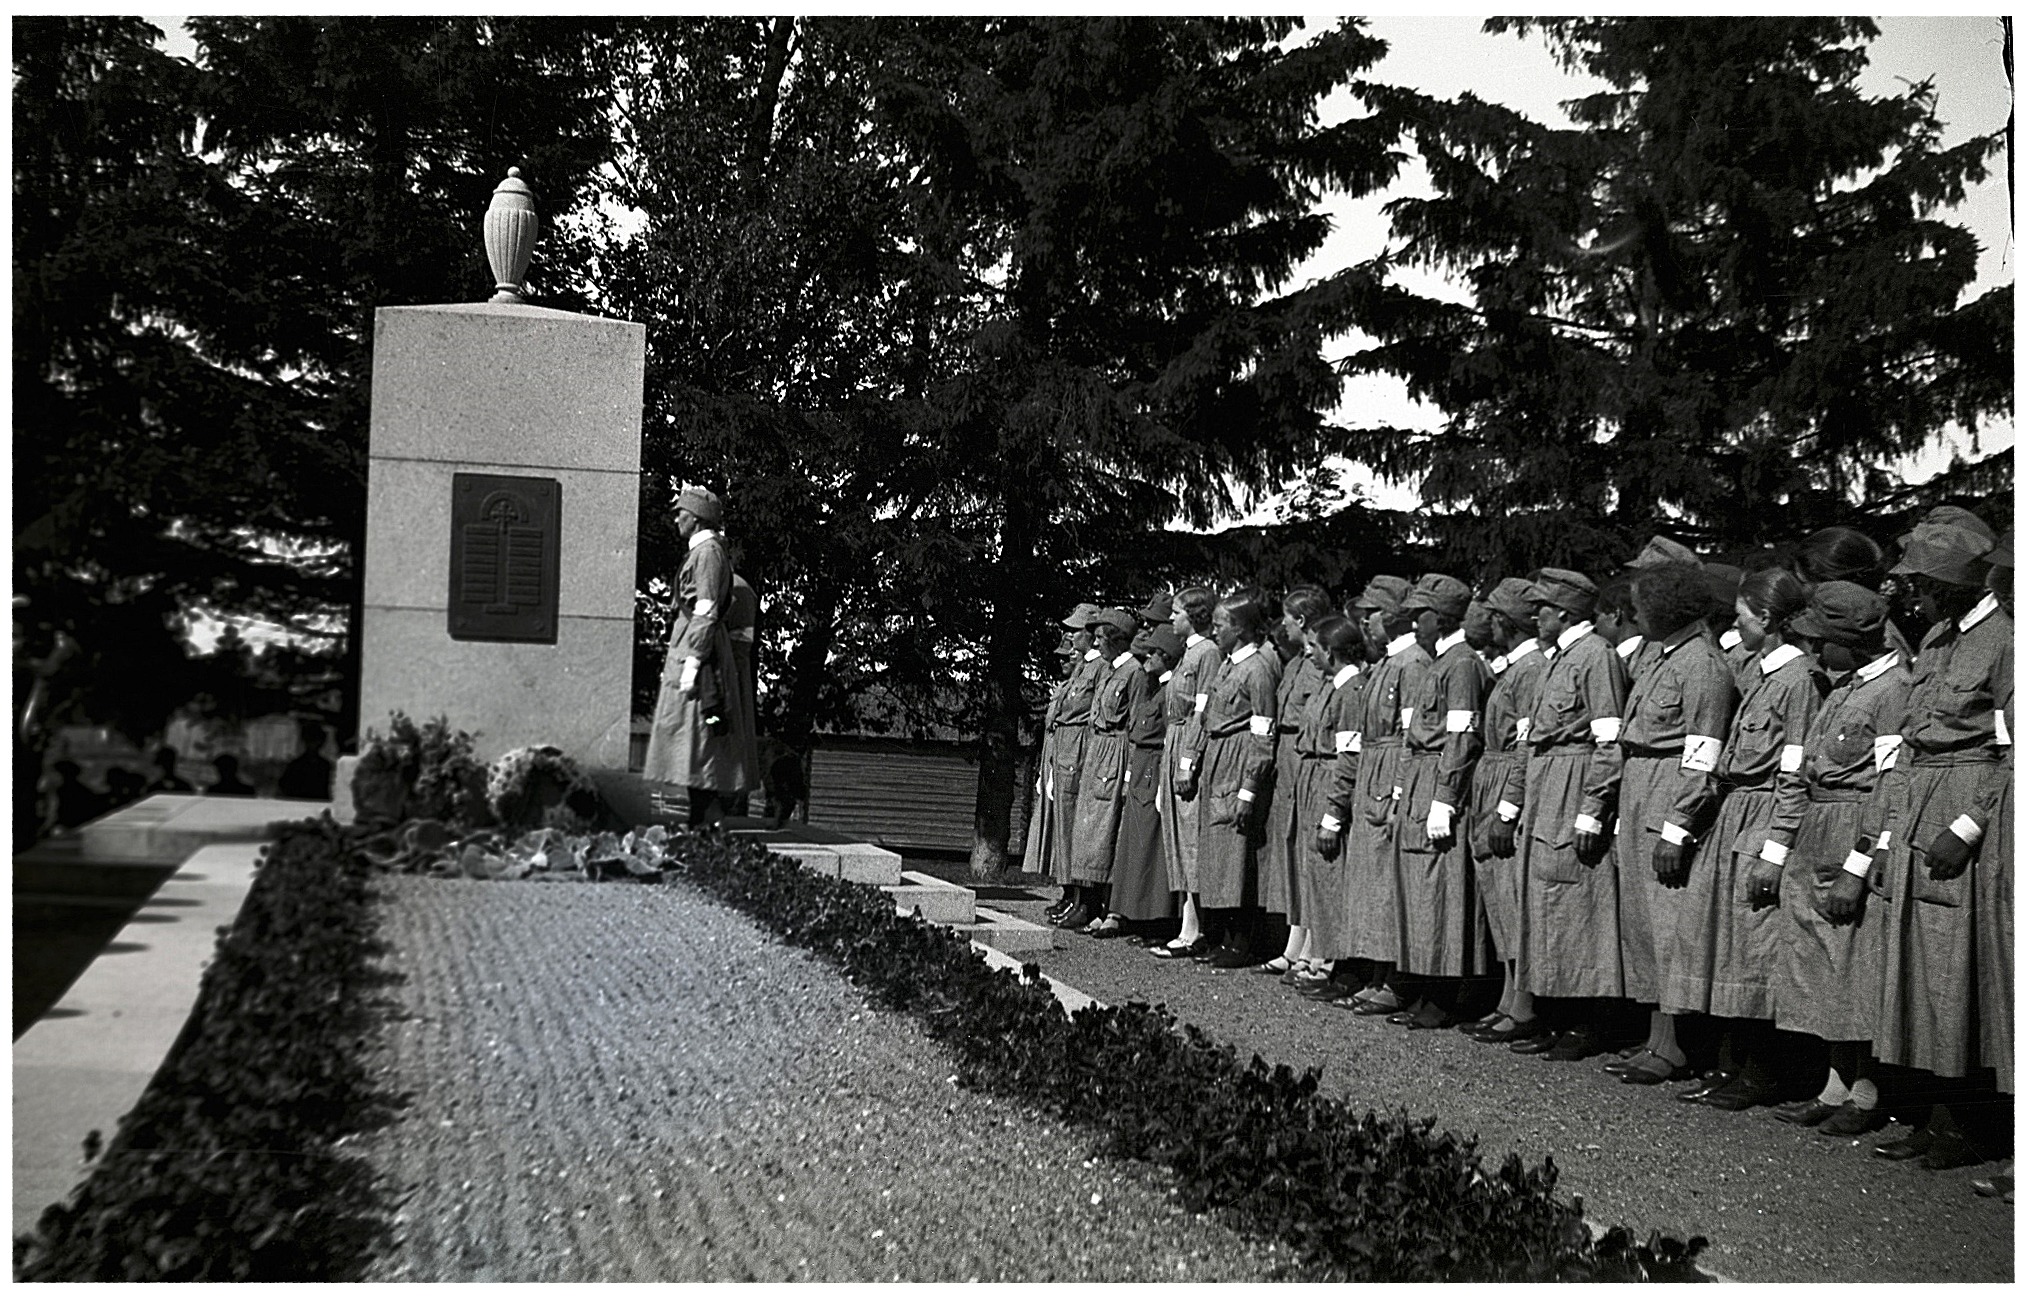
(1442, 807)
(1507, 812)
(1856, 863)
(1966, 829)
(1774, 853)
(1588, 823)
(1329, 823)
(1246, 795)
(1883, 840)
(1675, 834)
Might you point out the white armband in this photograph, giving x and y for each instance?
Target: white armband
(1507, 812)
(705, 606)
(1605, 730)
(1405, 718)
(1887, 747)
(1791, 758)
(691, 668)
(1329, 823)
(1675, 834)
(1774, 852)
(1246, 795)
(1201, 702)
(1342, 740)
(1355, 742)
(1525, 728)
(1966, 829)
(1856, 863)
(1700, 753)
(1261, 726)
(1883, 840)
(2002, 730)
(1461, 721)
(1589, 824)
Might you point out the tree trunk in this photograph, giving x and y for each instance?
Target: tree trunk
(766, 105)
(1004, 659)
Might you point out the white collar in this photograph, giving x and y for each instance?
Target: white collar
(1876, 667)
(1168, 675)
(1245, 653)
(1982, 611)
(1194, 638)
(1569, 636)
(1441, 645)
(1091, 654)
(1122, 657)
(1345, 674)
(1399, 644)
(1783, 654)
(1629, 646)
(1730, 640)
(702, 536)
(1520, 652)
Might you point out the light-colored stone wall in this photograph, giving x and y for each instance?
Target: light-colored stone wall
(504, 389)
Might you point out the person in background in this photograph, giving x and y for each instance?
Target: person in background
(1039, 855)
(73, 802)
(307, 777)
(165, 778)
(1071, 741)
(122, 788)
(229, 783)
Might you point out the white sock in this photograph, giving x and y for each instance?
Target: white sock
(1863, 1093)
(1834, 1092)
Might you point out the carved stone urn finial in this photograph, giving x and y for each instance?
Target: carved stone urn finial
(511, 228)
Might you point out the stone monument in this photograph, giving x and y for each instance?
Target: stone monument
(502, 514)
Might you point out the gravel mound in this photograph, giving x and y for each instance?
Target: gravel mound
(618, 1083)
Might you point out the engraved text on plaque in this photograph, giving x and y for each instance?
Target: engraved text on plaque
(505, 551)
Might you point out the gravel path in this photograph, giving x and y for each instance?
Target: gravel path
(1778, 1202)
(624, 1083)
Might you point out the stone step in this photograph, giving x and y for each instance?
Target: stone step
(851, 861)
(1006, 932)
(938, 901)
(167, 828)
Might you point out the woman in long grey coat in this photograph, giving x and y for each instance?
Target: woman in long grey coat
(703, 736)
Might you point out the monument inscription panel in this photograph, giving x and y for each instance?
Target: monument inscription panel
(505, 558)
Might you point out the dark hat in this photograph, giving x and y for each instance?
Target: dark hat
(1570, 590)
(1385, 593)
(1958, 517)
(701, 503)
(1082, 616)
(1723, 581)
(1949, 553)
(1443, 594)
(1159, 610)
(1509, 599)
(1476, 624)
(1121, 620)
(2000, 554)
(1167, 641)
(1067, 647)
(1845, 613)
(1662, 550)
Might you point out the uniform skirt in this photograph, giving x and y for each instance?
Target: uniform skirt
(1310, 778)
(1644, 800)
(1138, 879)
(1996, 940)
(1367, 854)
(1039, 855)
(1442, 932)
(681, 749)
(1818, 984)
(1927, 1012)
(1278, 857)
(1099, 800)
(1229, 850)
(1496, 876)
(1568, 945)
(1716, 951)
(1069, 743)
(1180, 821)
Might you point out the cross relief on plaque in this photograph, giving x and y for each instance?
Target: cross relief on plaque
(504, 558)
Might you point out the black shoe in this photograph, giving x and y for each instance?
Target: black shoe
(1708, 1085)
(1806, 1112)
(1233, 957)
(1574, 1045)
(1848, 1120)
(1517, 1031)
(1744, 1092)
(1207, 954)
(1538, 1043)
(1077, 919)
(1950, 1149)
(1912, 1146)
(1650, 1070)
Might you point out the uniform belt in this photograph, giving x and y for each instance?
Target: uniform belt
(1543, 748)
(1945, 759)
(1645, 752)
(1726, 786)
(1833, 795)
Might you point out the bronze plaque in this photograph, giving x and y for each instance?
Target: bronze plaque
(505, 557)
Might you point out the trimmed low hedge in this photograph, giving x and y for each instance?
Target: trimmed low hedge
(230, 1166)
(1357, 1198)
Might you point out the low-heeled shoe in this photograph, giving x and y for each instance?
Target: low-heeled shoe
(1806, 1113)
(1537, 1043)
(1848, 1120)
(1574, 1045)
(1911, 1146)
(1744, 1092)
(1709, 1083)
(1517, 1031)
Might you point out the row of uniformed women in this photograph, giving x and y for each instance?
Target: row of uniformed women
(1697, 821)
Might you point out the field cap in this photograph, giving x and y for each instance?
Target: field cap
(1167, 641)
(1845, 613)
(701, 503)
(1949, 553)
(1662, 550)
(1159, 610)
(1509, 599)
(1067, 646)
(1957, 517)
(1385, 593)
(1117, 618)
(1082, 616)
(1443, 594)
(1570, 590)
(1476, 624)
(1724, 581)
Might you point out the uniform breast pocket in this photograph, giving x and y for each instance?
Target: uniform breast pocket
(1662, 705)
(1848, 747)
